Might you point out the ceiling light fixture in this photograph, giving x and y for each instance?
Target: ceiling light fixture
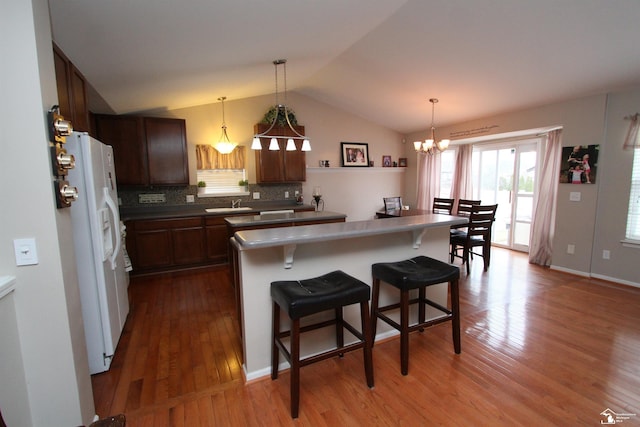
(224, 146)
(429, 145)
(281, 113)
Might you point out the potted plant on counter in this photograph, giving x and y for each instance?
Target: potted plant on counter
(201, 187)
(244, 183)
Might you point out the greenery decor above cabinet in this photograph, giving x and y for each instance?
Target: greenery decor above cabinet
(147, 150)
(281, 165)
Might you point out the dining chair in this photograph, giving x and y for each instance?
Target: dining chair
(478, 234)
(464, 206)
(441, 205)
(392, 203)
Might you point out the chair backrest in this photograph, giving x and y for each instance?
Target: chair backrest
(441, 205)
(391, 203)
(480, 221)
(464, 206)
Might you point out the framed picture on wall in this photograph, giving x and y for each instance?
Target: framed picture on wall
(402, 162)
(355, 154)
(579, 164)
(386, 161)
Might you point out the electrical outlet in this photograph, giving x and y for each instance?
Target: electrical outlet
(571, 249)
(190, 198)
(296, 193)
(606, 254)
(286, 194)
(256, 195)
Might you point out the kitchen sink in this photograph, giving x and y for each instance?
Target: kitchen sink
(213, 210)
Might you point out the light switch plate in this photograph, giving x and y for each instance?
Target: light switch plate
(256, 195)
(190, 198)
(26, 252)
(575, 196)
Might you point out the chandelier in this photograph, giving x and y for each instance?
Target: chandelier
(224, 146)
(429, 145)
(281, 112)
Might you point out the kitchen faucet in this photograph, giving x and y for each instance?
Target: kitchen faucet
(235, 203)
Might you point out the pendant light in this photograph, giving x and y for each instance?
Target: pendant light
(429, 145)
(281, 109)
(224, 145)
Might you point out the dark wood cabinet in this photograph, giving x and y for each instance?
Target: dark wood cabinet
(166, 244)
(166, 151)
(72, 91)
(281, 165)
(217, 239)
(147, 150)
(126, 135)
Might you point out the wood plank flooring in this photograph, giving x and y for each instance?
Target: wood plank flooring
(539, 347)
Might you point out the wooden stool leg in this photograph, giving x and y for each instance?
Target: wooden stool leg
(404, 332)
(295, 367)
(455, 318)
(368, 342)
(375, 293)
(339, 329)
(421, 306)
(275, 351)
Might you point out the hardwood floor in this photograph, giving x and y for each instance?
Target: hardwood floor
(539, 347)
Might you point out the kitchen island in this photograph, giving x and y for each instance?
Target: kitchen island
(293, 253)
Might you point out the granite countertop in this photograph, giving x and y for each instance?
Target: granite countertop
(282, 217)
(199, 209)
(273, 237)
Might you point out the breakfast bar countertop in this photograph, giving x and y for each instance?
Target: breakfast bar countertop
(272, 237)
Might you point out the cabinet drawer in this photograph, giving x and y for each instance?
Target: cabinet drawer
(163, 224)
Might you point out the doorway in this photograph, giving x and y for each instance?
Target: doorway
(505, 173)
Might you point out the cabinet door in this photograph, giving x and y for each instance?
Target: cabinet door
(217, 240)
(72, 91)
(280, 165)
(78, 90)
(62, 82)
(125, 135)
(166, 151)
(188, 245)
(153, 249)
(295, 164)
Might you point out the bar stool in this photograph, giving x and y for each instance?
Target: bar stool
(415, 273)
(300, 298)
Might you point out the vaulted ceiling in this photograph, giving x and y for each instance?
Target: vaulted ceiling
(379, 59)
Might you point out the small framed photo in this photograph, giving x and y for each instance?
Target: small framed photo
(355, 154)
(402, 162)
(386, 162)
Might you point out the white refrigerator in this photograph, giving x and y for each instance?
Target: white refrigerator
(98, 241)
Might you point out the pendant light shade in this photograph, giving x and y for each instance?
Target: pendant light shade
(224, 145)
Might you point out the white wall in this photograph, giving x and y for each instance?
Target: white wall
(46, 295)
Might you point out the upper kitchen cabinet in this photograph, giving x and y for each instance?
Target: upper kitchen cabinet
(281, 165)
(72, 91)
(167, 151)
(147, 150)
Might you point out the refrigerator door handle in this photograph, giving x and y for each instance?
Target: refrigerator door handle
(116, 226)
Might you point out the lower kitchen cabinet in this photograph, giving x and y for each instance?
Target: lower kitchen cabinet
(166, 244)
(217, 239)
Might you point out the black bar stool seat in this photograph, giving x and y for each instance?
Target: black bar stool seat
(300, 298)
(415, 273)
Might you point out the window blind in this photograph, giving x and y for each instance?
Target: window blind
(633, 217)
(221, 181)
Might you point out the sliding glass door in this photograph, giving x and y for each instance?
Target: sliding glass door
(505, 173)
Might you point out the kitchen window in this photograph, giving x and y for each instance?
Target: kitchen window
(220, 173)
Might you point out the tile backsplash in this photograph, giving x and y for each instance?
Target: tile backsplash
(178, 195)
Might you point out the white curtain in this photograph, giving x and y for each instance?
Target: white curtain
(462, 181)
(632, 141)
(544, 212)
(428, 179)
